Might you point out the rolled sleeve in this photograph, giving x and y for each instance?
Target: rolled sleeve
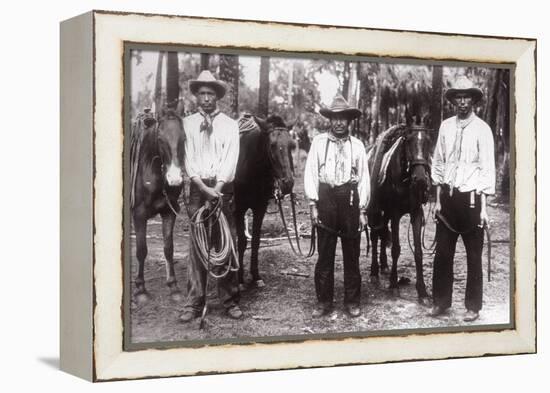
(487, 176)
(311, 174)
(364, 179)
(438, 162)
(230, 154)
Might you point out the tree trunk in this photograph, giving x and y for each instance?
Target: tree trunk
(158, 84)
(364, 102)
(172, 80)
(497, 115)
(229, 73)
(263, 104)
(502, 133)
(345, 84)
(352, 85)
(205, 61)
(435, 105)
(375, 105)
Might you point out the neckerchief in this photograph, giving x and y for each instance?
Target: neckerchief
(461, 124)
(208, 119)
(340, 157)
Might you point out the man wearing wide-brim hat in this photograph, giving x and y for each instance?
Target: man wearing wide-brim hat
(337, 184)
(211, 154)
(463, 169)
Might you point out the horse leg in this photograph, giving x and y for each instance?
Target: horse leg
(241, 243)
(384, 241)
(258, 218)
(168, 220)
(416, 218)
(140, 225)
(395, 252)
(374, 268)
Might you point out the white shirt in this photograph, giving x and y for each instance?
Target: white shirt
(318, 170)
(464, 157)
(211, 156)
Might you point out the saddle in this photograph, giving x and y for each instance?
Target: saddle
(379, 157)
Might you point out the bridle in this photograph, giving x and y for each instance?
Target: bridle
(277, 192)
(159, 120)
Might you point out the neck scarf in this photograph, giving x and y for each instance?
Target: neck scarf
(461, 124)
(208, 119)
(340, 156)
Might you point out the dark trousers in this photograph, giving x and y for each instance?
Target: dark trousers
(227, 287)
(336, 213)
(462, 216)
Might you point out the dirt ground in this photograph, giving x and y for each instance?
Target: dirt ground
(283, 307)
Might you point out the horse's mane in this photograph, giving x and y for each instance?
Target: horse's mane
(388, 137)
(276, 121)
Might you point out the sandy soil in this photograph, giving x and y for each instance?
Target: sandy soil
(284, 305)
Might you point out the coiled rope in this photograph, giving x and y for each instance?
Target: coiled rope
(222, 259)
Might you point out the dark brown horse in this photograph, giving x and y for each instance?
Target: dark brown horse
(400, 189)
(157, 181)
(265, 167)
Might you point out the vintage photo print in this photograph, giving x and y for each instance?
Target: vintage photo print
(273, 196)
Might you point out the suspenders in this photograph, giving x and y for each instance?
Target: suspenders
(353, 169)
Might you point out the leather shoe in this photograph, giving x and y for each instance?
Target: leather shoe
(320, 310)
(436, 311)
(471, 316)
(188, 316)
(234, 312)
(353, 310)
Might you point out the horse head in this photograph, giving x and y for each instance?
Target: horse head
(417, 147)
(279, 150)
(171, 139)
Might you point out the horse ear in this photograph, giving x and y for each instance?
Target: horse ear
(264, 126)
(291, 125)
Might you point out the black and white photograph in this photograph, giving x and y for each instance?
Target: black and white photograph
(275, 196)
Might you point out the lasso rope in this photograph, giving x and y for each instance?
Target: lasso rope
(224, 256)
(214, 259)
(247, 124)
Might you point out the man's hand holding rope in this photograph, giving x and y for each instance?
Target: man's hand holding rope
(314, 214)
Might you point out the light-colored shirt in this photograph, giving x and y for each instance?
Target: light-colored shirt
(464, 155)
(211, 155)
(337, 168)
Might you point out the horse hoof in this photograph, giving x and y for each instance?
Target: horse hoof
(259, 283)
(242, 287)
(142, 297)
(395, 292)
(423, 301)
(385, 270)
(176, 296)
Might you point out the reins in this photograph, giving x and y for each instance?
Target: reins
(296, 249)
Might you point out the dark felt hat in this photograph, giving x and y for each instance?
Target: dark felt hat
(340, 105)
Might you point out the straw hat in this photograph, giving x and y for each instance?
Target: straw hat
(340, 105)
(463, 85)
(207, 79)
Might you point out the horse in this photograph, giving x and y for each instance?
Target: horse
(157, 181)
(400, 184)
(264, 168)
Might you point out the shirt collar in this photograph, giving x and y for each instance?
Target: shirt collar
(463, 123)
